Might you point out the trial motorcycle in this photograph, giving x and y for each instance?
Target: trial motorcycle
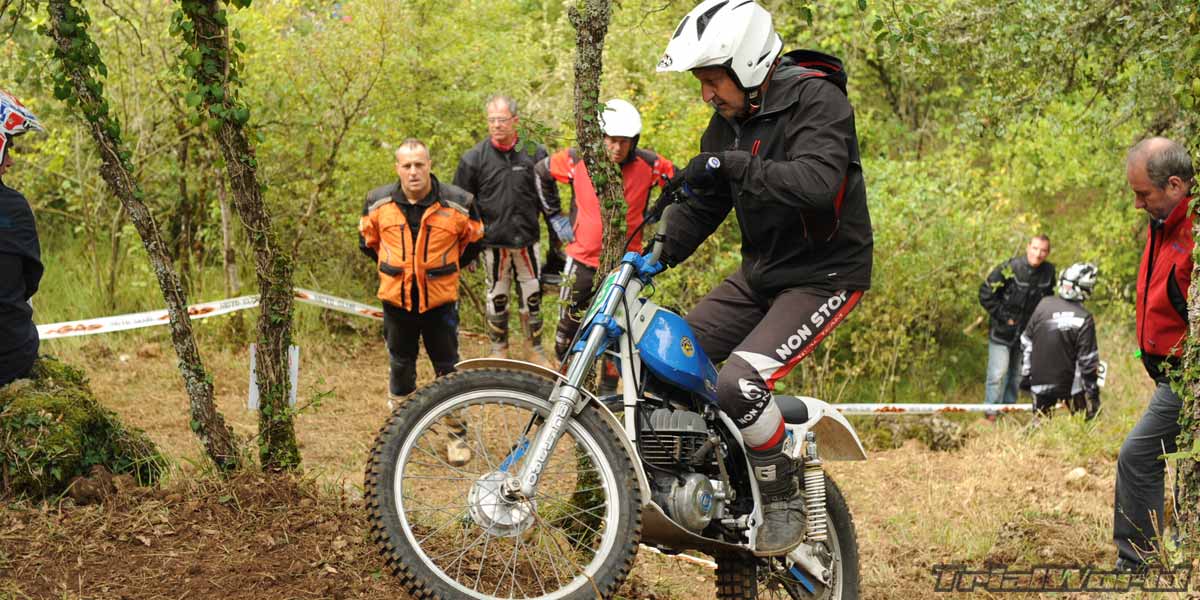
(562, 486)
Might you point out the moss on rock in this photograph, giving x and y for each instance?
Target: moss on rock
(52, 429)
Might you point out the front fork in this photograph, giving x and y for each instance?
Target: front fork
(568, 395)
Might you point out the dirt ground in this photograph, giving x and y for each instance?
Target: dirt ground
(1005, 496)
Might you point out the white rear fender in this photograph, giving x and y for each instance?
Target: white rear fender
(836, 438)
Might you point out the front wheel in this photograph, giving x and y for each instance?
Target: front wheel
(446, 529)
(749, 578)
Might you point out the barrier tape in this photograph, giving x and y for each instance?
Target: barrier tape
(205, 310)
(926, 409)
(198, 311)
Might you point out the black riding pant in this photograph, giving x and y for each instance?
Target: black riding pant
(17, 363)
(402, 329)
(760, 340)
(573, 302)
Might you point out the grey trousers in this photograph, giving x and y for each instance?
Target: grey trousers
(1138, 506)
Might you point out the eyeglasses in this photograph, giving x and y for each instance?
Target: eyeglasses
(499, 120)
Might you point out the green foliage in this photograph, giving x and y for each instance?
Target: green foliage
(980, 124)
(52, 430)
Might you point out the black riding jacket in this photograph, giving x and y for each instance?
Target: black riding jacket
(507, 192)
(1058, 345)
(795, 182)
(20, 274)
(1011, 291)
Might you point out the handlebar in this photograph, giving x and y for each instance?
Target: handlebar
(674, 191)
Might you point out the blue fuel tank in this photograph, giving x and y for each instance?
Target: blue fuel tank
(668, 348)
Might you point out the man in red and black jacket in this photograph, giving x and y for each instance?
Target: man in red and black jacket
(1161, 175)
(642, 170)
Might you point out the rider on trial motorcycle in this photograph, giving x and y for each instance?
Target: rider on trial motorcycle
(781, 150)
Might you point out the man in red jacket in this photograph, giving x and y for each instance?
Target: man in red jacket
(641, 171)
(1161, 176)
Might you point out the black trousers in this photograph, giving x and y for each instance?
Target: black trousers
(760, 340)
(402, 329)
(1138, 506)
(1045, 403)
(16, 364)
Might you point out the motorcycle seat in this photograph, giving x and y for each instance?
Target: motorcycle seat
(794, 410)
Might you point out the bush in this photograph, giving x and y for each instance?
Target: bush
(52, 429)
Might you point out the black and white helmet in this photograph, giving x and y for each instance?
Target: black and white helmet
(1077, 281)
(735, 34)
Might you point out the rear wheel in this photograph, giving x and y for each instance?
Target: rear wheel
(749, 578)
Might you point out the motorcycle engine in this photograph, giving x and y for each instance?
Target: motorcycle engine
(671, 441)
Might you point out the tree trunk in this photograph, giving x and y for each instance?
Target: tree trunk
(590, 19)
(78, 56)
(214, 68)
(1187, 508)
(233, 287)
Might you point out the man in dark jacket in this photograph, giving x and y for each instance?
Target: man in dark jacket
(1161, 175)
(1058, 347)
(1009, 294)
(498, 171)
(20, 253)
(781, 151)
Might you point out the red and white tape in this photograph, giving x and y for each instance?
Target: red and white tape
(926, 409)
(202, 310)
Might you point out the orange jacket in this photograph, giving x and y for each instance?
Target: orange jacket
(449, 228)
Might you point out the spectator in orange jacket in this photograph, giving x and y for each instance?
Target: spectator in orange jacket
(420, 232)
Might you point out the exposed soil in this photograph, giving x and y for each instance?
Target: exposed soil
(1003, 496)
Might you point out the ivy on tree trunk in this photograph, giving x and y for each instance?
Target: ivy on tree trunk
(212, 63)
(77, 83)
(1187, 509)
(590, 19)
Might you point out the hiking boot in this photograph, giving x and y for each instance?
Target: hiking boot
(393, 401)
(458, 453)
(783, 504)
(1093, 408)
(1125, 565)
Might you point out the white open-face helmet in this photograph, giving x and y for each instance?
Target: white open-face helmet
(1077, 282)
(15, 120)
(735, 34)
(620, 119)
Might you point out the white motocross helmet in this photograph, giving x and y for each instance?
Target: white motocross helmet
(735, 34)
(620, 119)
(1077, 281)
